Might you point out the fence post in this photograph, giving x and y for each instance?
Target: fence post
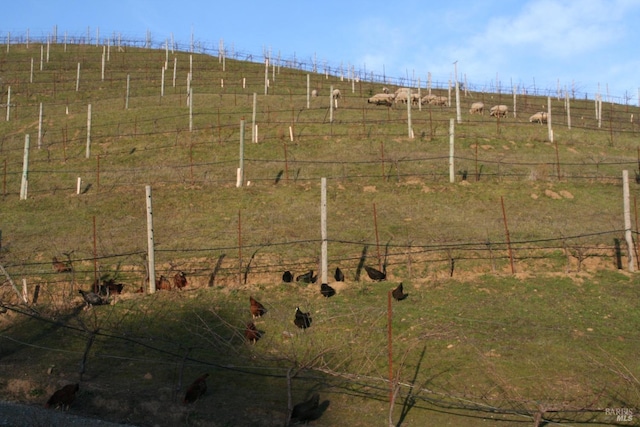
(254, 136)
(452, 174)
(627, 220)
(150, 252)
(88, 152)
(40, 127)
(8, 103)
(323, 228)
(240, 173)
(25, 169)
(549, 119)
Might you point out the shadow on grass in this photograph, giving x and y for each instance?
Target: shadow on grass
(410, 400)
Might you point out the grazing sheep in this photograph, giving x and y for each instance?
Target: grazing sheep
(314, 93)
(427, 99)
(499, 111)
(382, 99)
(402, 97)
(442, 101)
(336, 94)
(477, 108)
(539, 117)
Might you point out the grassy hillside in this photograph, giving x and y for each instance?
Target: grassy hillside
(481, 337)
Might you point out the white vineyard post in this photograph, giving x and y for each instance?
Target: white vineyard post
(409, 124)
(549, 127)
(162, 84)
(126, 100)
(104, 59)
(88, 153)
(566, 94)
(240, 172)
(254, 133)
(25, 170)
(452, 175)
(323, 229)
(40, 127)
(627, 220)
(150, 246)
(175, 66)
(191, 109)
(8, 103)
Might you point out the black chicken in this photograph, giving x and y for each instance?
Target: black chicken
(307, 277)
(398, 293)
(375, 274)
(91, 298)
(307, 410)
(302, 320)
(338, 275)
(327, 291)
(287, 277)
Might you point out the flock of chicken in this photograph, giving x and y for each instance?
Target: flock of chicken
(302, 412)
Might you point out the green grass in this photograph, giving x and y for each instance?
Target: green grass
(478, 344)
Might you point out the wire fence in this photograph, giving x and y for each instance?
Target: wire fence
(205, 157)
(302, 63)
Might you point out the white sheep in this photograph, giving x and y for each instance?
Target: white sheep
(385, 90)
(336, 94)
(499, 111)
(477, 108)
(382, 99)
(439, 100)
(401, 96)
(427, 99)
(539, 117)
(314, 93)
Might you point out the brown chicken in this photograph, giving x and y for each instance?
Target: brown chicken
(257, 309)
(163, 284)
(251, 333)
(179, 280)
(63, 397)
(60, 266)
(196, 390)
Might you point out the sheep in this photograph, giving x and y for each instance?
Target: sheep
(336, 94)
(314, 93)
(539, 117)
(385, 90)
(401, 97)
(477, 108)
(499, 111)
(427, 99)
(382, 99)
(439, 100)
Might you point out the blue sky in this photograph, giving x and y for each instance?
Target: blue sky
(579, 44)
